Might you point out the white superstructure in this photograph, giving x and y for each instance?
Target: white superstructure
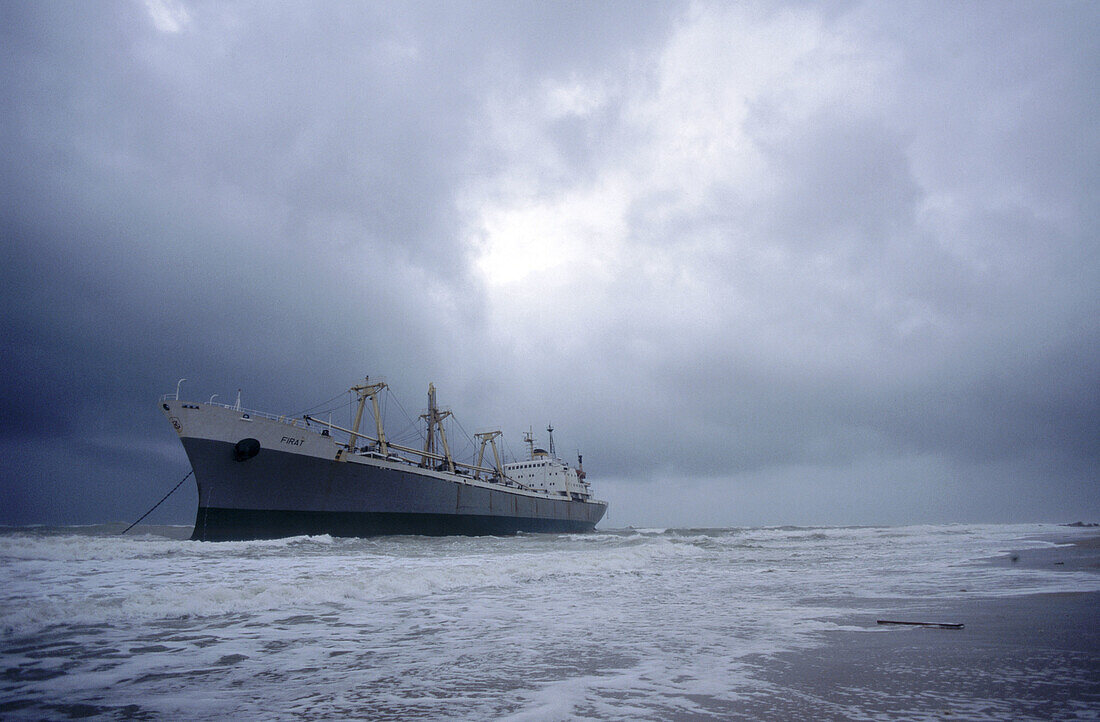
(544, 471)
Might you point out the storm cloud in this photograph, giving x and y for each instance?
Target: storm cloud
(761, 264)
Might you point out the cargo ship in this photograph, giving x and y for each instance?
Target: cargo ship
(266, 476)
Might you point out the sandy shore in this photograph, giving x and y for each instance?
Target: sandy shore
(1033, 656)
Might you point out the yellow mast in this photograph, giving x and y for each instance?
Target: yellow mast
(435, 418)
(364, 391)
(489, 437)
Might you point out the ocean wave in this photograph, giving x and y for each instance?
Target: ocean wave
(90, 579)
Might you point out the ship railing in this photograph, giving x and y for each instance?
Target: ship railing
(251, 413)
(295, 421)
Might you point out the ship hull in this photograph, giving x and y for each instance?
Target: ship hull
(217, 524)
(313, 488)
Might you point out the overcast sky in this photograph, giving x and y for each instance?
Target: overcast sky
(823, 263)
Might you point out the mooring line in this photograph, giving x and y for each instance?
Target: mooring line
(158, 503)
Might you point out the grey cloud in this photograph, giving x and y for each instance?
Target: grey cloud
(270, 199)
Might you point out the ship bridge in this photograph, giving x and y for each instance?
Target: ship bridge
(544, 471)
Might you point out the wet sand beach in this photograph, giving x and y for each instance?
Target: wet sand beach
(1033, 656)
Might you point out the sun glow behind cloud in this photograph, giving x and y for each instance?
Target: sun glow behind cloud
(564, 236)
(168, 16)
(629, 194)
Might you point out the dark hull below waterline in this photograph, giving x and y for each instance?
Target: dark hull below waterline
(214, 524)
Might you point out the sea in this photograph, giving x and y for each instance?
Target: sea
(620, 624)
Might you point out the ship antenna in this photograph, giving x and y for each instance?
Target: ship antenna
(550, 431)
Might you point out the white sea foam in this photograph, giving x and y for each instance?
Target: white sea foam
(627, 624)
